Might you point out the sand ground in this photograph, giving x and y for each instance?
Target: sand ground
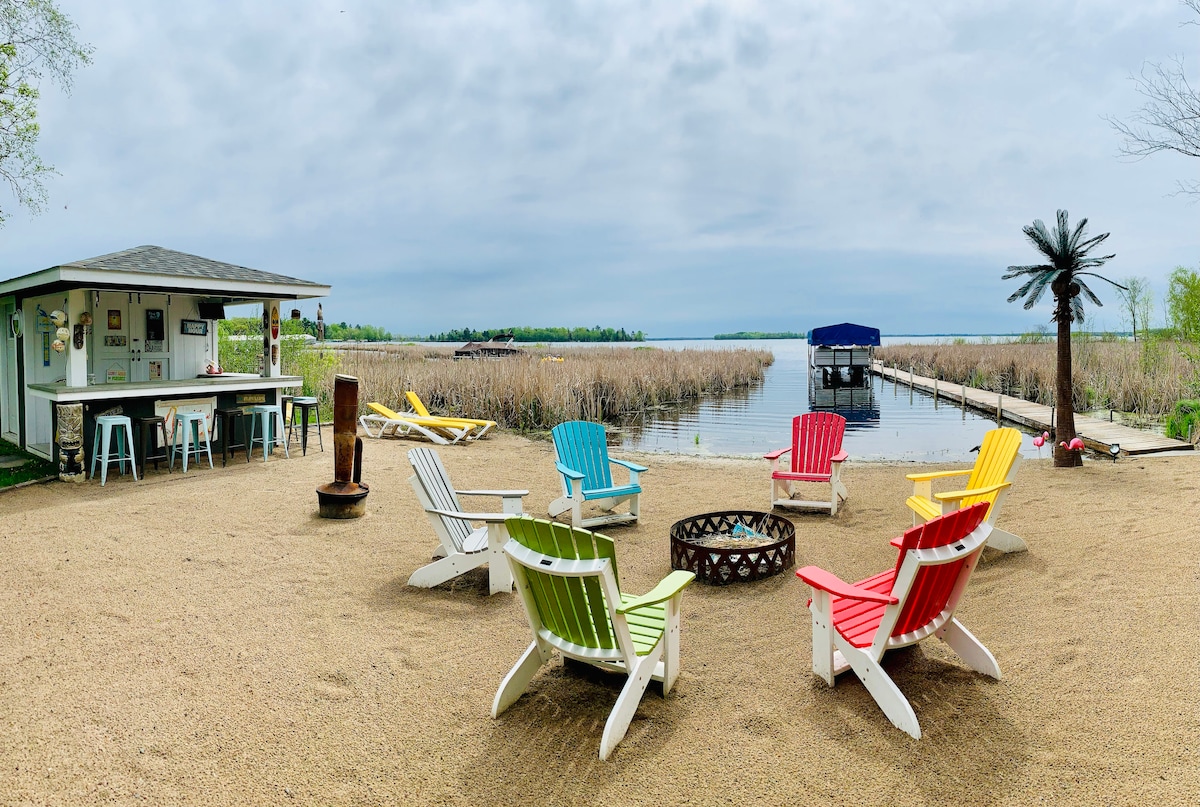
(207, 639)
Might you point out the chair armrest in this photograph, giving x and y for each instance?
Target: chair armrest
(633, 466)
(490, 518)
(922, 477)
(955, 495)
(670, 586)
(503, 493)
(774, 455)
(841, 456)
(820, 579)
(570, 473)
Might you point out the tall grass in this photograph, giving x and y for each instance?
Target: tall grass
(1145, 378)
(529, 394)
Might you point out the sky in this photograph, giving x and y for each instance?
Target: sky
(680, 168)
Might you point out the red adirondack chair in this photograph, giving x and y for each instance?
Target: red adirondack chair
(815, 456)
(854, 625)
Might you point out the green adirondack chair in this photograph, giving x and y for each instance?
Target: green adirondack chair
(568, 582)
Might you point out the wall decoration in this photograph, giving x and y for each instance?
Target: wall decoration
(155, 346)
(193, 327)
(155, 370)
(114, 319)
(274, 322)
(116, 374)
(70, 442)
(115, 341)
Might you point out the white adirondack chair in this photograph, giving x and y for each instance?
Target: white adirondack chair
(463, 545)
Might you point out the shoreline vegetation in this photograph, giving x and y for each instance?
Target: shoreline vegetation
(759, 335)
(1146, 379)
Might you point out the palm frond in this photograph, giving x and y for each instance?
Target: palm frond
(1085, 291)
(1017, 271)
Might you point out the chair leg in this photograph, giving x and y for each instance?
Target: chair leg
(447, 568)
(106, 444)
(627, 702)
(884, 690)
(822, 636)
(517, 681)
(1005, 541)
(671, 646)
(132, 457)
(500, 578)
(559, 506)
(969, 649)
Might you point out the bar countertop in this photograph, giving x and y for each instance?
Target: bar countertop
(202, 385)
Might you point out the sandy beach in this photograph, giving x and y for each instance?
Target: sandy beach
(208, 639)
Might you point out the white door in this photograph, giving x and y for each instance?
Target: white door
(149, 338)
(111, 351)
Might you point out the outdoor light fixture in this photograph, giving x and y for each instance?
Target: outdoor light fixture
(1114, 450)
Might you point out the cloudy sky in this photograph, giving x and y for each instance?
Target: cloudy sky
(678, 167)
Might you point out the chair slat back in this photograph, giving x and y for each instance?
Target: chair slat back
(418, 406)
(581, 446)
(439, 492)
(572, 608)
(936, 586)
(816, 436)
(997, 454)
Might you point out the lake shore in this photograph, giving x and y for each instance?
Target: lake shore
(208, 639)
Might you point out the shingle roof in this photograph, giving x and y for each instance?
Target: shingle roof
(152, 260)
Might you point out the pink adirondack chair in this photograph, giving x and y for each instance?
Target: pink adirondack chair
(815, 456)
(854, 625)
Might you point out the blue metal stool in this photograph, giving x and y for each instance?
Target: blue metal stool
(266, 420)
(102, 446)
(190, 423)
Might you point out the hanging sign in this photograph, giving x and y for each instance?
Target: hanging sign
(274, 323)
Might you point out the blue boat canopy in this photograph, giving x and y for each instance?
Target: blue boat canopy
(845, 334)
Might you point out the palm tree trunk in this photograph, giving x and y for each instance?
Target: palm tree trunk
(1064, 427)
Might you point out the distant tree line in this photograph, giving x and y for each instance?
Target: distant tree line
(595, 334)
(760, 335)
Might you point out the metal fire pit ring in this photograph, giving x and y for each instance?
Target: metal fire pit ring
(705, 545)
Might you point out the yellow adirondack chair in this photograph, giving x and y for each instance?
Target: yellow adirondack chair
(988, 481)
(480, 427)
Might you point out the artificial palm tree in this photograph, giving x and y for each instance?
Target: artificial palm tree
(1067, 252)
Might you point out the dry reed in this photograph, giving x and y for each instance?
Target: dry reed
(1145, 378)
(531, 394)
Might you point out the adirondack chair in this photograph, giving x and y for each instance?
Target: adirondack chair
(463, 546)
(989, 481)
(854, 625)
(479, 427)
(815, 456)
(393, 424)
(583, 462)
(567, 579)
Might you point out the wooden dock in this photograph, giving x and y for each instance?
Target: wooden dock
(1098, 435)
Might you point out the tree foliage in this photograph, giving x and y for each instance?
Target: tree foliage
(593, 334)
(1138, 303)
(1170, 118)
(36, 41)
(1183, 303)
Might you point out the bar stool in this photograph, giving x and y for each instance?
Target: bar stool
(230, 420)
(148, 429)
(105, 424)
(190, 423)
(302, 406)
(268, 416)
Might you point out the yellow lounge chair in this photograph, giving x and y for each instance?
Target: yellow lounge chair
(418, 407)
(393, 424)
(989, 481)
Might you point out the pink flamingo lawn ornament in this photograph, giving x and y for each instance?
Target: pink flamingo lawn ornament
(1075, 445)
(1040, 441)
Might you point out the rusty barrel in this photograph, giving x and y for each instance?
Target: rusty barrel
(345, 497)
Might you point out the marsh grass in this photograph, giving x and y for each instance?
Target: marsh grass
(528, 393)
(1145, 378)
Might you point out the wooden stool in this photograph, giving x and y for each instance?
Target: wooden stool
(148, 429)
(267, 417)
(191, 423)
(303, 406)
(105, 424)
(230, 420)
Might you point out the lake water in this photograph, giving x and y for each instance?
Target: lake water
(885, 422)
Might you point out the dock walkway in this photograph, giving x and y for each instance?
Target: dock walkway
(1098, 435)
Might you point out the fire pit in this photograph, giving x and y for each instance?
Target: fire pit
(733, 546)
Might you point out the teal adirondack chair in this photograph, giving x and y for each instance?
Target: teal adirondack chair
(567, 580)
(583, 462)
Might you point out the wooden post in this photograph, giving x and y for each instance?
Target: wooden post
(935, 392)
(999, 410)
